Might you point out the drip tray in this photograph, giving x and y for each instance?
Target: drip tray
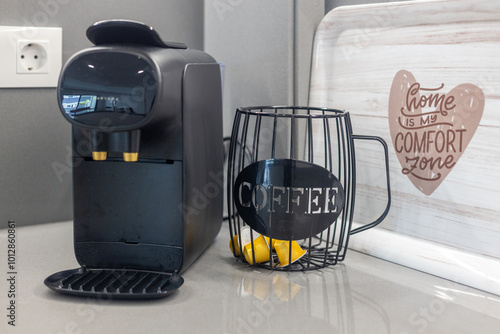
(114, 283)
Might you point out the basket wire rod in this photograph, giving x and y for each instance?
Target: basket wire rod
(320, 238)
(292, 134)
(297, 140)
(326, 141)
(271, 245)
(271, 259)
(311, 160)
(329, 162)
(338, 124)
(350, 191)
(328, 145)
(243, 143)
(319, 264)
(342, 167)
(252, 245)
(273, 144)
(309, 254)
(273, 149)
(256, 138)
(328, 149)
(310, 140)
(241, 166)
(328, 153)
(327, 247)
(325, 146)
(326, 133)
(300, 266)
(351, 157)
(339, 151)
(341, 176)
(230, 203)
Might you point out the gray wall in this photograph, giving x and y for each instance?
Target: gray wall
(255, 41)
(35, 179)
(266, 46)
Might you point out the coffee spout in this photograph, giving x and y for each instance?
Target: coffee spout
(130, 157)
(99, 145)
(99, 155)
(126, 142)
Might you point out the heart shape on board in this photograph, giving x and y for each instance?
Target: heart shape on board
(430, 130)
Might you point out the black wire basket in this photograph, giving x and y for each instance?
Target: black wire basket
(291, 186)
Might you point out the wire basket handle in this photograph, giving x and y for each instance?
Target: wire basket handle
(386, 211)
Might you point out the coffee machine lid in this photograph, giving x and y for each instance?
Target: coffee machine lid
(114, 283)
(128, 32)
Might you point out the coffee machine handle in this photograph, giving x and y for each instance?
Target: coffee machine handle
(386, 211)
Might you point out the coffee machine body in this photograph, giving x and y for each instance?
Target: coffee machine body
(147, 154)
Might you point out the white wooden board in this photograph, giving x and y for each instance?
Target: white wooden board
(381, 62)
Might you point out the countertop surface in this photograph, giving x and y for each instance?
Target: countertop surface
(221, 294)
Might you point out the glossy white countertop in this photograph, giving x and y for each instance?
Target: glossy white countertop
(222, 295)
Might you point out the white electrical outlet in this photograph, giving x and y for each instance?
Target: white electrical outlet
(30, 56)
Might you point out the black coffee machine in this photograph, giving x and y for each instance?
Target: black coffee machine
(148, 160)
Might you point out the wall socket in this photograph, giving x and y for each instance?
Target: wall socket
(30, 56)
